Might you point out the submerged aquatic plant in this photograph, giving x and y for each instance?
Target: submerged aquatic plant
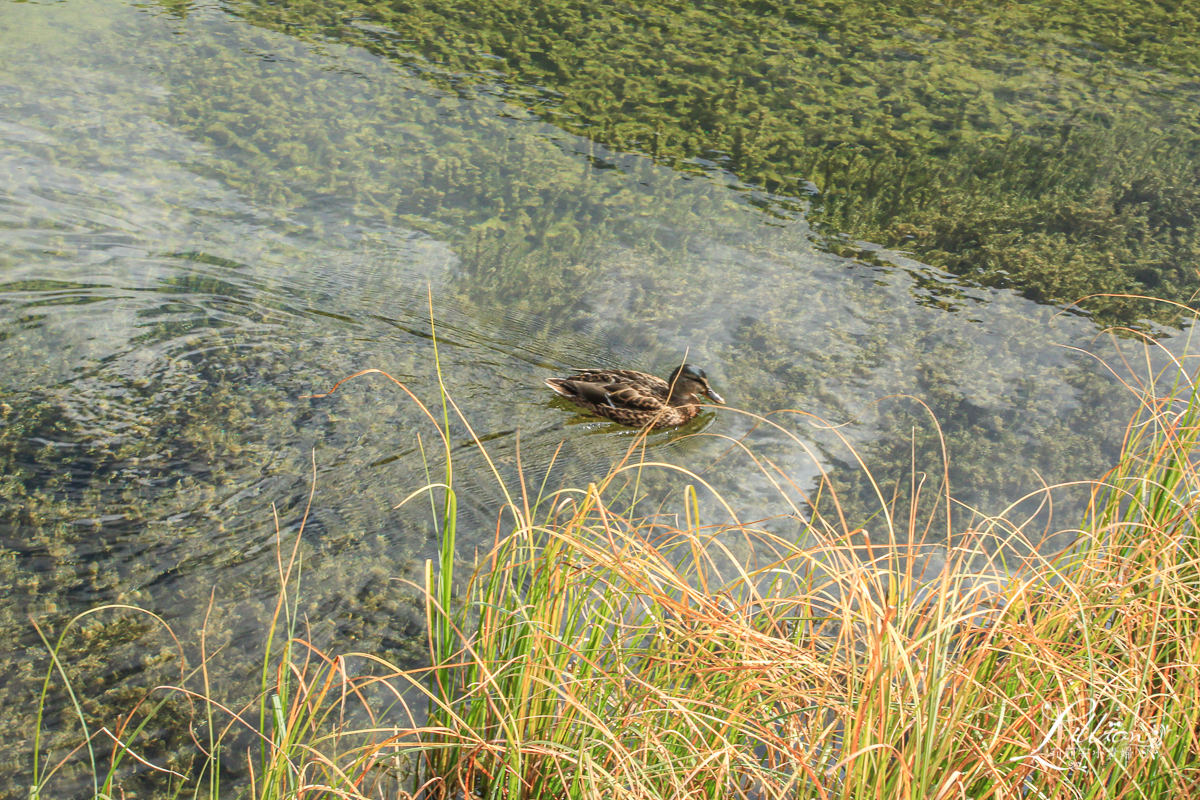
(1015, 145)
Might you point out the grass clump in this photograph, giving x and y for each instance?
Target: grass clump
(600, 649)
(610, 655)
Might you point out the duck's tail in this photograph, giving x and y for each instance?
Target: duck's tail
(560, 386)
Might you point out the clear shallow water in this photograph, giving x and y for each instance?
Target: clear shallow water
(202, 222)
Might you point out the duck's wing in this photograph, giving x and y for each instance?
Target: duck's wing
(626, 377)
(623, 395)
(614, 394)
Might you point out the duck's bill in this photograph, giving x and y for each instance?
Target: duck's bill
(716, 398)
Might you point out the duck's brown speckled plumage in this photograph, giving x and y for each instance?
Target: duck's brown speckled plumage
(636, 398)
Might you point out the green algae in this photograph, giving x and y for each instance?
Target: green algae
(1027, 145)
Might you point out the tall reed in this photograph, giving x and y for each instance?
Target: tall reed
(600, 650)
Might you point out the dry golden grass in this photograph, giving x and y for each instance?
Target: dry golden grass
(596, 653)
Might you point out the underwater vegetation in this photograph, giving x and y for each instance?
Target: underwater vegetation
(1051, 149)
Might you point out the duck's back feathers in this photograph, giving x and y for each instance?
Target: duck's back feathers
(583, 388)
(626, 377)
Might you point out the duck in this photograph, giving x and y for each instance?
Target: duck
(638, 399)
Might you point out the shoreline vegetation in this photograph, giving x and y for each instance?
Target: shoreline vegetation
(598, 651)
(1018, 146)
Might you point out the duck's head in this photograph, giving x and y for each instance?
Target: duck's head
(688, 381)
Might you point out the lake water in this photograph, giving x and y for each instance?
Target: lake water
(202, 222)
